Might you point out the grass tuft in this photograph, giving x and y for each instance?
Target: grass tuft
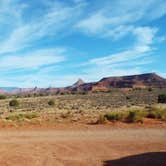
(17, 117)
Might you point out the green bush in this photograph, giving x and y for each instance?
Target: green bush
(14, 103)
(150, 89)
(51, 103)
(30, 115)
(135, 116)
(151, 115)
(157, 113)
(127, 97)
(112, 116)
(131, 117)
(16, 117)
(162, 98)
(126, 116)
(2, 97)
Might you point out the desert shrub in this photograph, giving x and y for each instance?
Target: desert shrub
(16, 117)
(136, 89)
(2, 97)
(162, 98)
(150, 89)
(131, 117)
(126, 116)
(112, 116)
(101, 119)
(83, 93)
(135, 116)
(14, 103)
(127, 97)
(36, 95)
(41, 94)
(51, 103)
(30, 115)
(151, 115)
(116, 115)
(157, 113)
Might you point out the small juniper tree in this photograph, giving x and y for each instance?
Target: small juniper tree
(13, 103)
(51, 103)
(162, 98)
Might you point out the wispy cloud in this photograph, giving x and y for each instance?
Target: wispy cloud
(34, 59)
(119, 16)
(52, 22)
(144, 38)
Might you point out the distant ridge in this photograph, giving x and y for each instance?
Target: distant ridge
(131, 81)
(105, 84)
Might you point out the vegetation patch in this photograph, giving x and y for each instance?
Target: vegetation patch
(115, 115)
(2, 97)
(17, 117)
(51, 103)
(132, 116)
(162, 98)
(14, 103)
(157, 113)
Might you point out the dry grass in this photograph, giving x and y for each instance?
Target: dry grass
(112, 106)
(21, 116)
(135, 115)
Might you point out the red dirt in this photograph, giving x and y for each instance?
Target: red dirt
(75, 145)
(147, 123)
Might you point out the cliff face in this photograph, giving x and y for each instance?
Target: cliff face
(132, 81)
(142, 81)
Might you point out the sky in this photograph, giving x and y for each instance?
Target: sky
(52, 43)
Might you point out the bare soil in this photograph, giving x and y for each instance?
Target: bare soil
(85, 146)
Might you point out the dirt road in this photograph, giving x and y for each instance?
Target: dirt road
(107, 146)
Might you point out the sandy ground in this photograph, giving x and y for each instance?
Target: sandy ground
(86, 147)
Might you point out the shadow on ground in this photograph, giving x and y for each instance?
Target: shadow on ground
(145, 159)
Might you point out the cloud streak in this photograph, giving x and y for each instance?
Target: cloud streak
(33, 59)
(49, 24)
(121, 13)
(144, 38)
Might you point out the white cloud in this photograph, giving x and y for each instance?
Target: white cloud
(55, 20)
(94, 23)
(34, 59)
(118, 32)
(144, 38)
(117, 19)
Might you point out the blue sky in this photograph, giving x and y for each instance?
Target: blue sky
(54, 42)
